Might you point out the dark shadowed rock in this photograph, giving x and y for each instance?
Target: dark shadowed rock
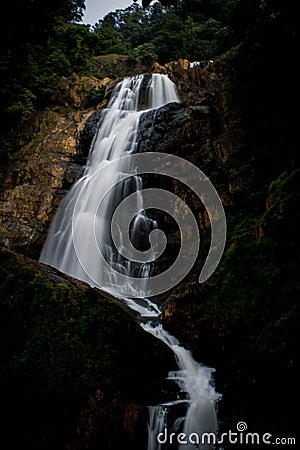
(78, 366)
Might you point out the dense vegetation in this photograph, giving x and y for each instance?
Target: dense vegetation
(41, 45)
(65, 347)
(54, 350)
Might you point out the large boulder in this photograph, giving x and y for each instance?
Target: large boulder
(77, 371)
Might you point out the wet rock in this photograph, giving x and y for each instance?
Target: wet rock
(89, 131)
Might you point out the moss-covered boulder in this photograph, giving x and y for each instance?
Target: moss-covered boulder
(76, 370)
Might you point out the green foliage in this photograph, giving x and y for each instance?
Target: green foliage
(145, 53)
(257, 281)
(192, 32)
(286, 192)
(46, 43)
(263, 34)
(42, 42)
(60, 343)
(131, 25)
(203, 10)
(107, 41)
(95, 96)
(168, 42)
(59, 62)
(24, 107)
(73, 42)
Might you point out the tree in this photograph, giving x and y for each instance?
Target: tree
(131, 25)
(145, 53)
(107, 41)
(168, 41)
(166, 3)
(28, 51)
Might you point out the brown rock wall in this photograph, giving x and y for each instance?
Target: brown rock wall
(36, 179)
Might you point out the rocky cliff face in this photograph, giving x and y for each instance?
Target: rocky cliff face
(49, 158)
(42, 171)
(34, 183)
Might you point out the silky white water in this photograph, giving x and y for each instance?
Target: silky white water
(81, 219)
(195, 380)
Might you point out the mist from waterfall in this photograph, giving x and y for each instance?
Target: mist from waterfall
(70, 245)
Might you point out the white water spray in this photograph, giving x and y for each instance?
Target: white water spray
(195, 380)
(76, 223)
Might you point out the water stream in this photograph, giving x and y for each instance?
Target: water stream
(70, 247)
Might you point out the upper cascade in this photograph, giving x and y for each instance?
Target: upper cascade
(70, 244)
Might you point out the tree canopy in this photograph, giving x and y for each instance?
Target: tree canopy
(42, 42)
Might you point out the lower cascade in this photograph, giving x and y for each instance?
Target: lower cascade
(84, 217)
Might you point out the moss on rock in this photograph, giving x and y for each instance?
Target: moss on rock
(72, 362)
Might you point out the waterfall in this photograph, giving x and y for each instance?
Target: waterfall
(156, 424)
(195, 380)
(81, 221)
